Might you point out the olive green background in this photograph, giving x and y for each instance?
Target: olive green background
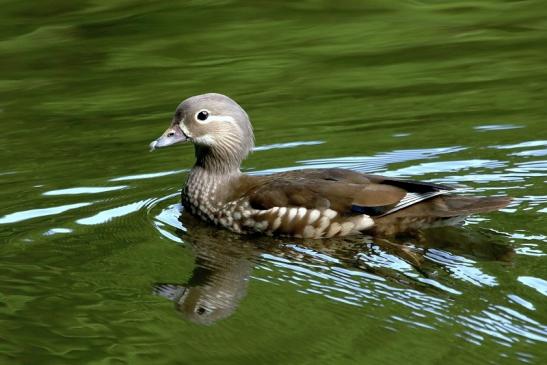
(452, 92)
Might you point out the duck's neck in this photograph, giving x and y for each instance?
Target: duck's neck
(205, 191)
(218, 161)
(201, 177)
(209, 179)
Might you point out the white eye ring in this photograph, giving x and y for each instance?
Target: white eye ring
(202, 116)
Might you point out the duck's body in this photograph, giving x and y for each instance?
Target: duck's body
(306, 203)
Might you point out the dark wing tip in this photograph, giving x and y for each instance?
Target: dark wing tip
(417, 186)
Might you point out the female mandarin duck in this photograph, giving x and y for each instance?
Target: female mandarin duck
(317, 203)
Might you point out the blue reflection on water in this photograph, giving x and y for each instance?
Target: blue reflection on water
(539, 284)
(85, 190)
(109, 214)
(36, 213)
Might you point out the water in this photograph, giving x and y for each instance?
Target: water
(91, 242)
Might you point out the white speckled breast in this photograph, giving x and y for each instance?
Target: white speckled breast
(199, 195)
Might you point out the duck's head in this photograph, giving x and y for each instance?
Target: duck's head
(218, 127)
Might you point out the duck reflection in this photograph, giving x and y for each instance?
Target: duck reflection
(224, 262)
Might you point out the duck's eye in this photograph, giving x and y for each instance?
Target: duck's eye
(203, 115)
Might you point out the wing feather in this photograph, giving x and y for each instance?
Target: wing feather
(348, 192)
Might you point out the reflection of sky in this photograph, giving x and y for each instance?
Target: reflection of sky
(461, 268)
(85, 190)
(521, 145)
(57, 231)
(109, 214)
(445, 166)
(378, 162)
(534, 153)
(497, 127)
(349, 286)
(151, 175)
(36, 213)
(539, 284)
(267, 147)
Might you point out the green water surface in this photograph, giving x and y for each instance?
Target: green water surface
(445, 91)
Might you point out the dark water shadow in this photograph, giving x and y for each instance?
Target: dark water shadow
(224, 262)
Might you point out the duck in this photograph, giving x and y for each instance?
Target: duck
(308, 203)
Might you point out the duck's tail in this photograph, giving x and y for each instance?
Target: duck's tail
(441, 210)
(458, 205)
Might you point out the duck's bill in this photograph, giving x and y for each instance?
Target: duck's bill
(171, 136)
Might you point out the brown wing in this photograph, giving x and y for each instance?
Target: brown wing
(345, 191)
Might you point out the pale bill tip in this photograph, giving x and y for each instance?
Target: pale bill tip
(152, 145)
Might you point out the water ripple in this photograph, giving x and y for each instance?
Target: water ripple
(267, 147)
(536, 283)
(445, 166)
(84, 190)
(151, 175)
(378, 162)
(109, 214)
(497, 127)
(521, 145)
(42, 212)
(461, 268)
